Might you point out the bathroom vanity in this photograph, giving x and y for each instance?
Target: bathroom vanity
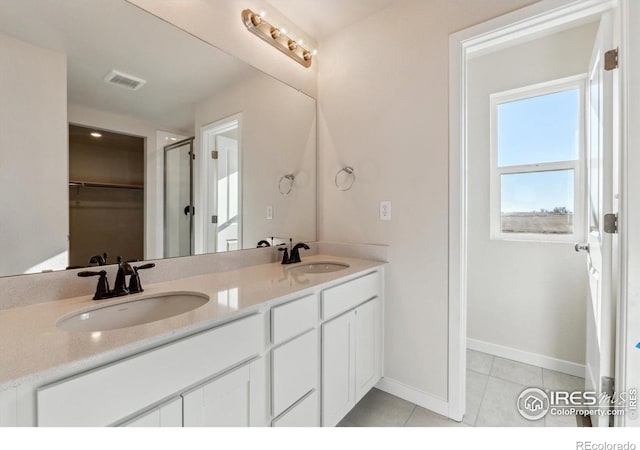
(273, 346)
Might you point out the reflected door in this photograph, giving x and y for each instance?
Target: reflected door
(222, 141)
(178, 199)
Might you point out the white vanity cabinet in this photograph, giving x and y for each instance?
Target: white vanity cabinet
(300, 363)
(234, 399)
(111, 394)
(351, 346)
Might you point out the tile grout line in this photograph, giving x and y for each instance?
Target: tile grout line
(410, 415)
(484, 391)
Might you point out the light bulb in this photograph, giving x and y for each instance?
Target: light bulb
(283, 30)
(263, 14)
(314, 52)
(95, 134)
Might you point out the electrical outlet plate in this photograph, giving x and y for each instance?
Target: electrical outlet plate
(269, 212)
(385, 210)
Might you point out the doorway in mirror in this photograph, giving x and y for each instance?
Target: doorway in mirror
(106, 195)
(221, 150)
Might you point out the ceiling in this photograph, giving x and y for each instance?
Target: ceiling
(82, 135)
(321, 18)
(99, 36)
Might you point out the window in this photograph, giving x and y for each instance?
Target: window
(536, 162)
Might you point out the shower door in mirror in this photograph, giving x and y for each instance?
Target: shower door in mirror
(178, 199)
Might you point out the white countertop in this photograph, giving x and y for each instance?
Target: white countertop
(30, 342)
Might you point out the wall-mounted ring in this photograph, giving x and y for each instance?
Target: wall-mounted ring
(350, 178)
(286, 183)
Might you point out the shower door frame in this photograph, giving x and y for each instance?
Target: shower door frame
(168, 148)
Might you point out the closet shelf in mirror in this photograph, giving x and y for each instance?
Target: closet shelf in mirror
(105, 185)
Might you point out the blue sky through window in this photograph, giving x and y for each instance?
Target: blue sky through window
(533, 191)
(535, 130)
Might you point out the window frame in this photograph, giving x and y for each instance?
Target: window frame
(578, 82)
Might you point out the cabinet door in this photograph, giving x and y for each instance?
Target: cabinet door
(338, 371)
(167, 415)
(230, 400)
(368, 344)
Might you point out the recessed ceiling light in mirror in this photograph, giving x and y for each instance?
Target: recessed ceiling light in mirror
(95, 134)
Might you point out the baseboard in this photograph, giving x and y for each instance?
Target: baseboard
(413, 395)
(546, 362)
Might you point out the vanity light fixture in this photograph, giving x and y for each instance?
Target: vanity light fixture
(277, 37)
(95, 134)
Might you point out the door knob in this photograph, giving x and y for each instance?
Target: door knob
(583, 247)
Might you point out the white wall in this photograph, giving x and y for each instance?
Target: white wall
(278, 137)
(33, 133)
(529, 296)
(219, 23)
(384, 110)
(154, 160)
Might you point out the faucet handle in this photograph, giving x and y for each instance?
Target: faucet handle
(102, 290)
(100, 260)
(134, 283)
(285, 257)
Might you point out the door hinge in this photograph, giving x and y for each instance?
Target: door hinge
(607, 386)
(193, 156)
(611, 59)
(214, 154)
(610, 223)
(214, 219)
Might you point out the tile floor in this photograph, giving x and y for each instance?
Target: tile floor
(493, 385)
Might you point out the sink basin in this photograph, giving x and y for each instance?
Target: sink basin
(319, 267)
(134, 312)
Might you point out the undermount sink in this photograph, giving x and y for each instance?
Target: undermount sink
(134, 312)
(319, 267)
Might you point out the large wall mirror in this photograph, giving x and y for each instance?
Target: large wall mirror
(122, 134)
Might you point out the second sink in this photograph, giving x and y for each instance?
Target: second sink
(319, 267)
(134, 312)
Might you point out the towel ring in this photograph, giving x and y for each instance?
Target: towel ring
(350, 175)
(288, 184)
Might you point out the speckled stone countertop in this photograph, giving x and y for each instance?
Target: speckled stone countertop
(31, 343)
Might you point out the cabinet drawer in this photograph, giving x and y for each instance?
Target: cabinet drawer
(294, 371)
(167, 415)
(108, 394)
(293, 318)
(305, 414)
(344, 297)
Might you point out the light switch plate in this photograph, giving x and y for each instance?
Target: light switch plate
(269, 212)
(385, 210)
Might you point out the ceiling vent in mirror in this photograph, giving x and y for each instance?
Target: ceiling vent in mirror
(124, 80)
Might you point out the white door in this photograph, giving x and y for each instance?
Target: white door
(338, 371)
(601, 245)
(221, 142)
